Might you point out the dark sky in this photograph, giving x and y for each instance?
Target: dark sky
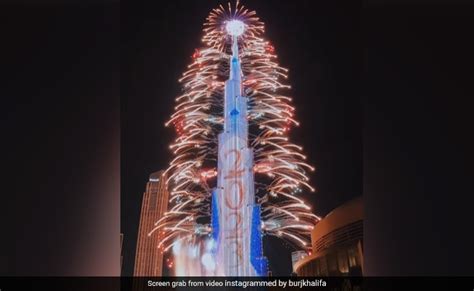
(318, 41)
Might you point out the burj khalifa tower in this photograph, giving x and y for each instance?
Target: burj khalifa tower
(236, 222)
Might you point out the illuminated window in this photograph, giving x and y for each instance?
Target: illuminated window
(342, 261)
(353, 260)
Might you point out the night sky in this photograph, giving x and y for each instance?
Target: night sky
(318, 41)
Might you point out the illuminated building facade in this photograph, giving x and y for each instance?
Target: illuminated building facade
(235, 175)
(337, 244)
(236, 220)
(149, 258)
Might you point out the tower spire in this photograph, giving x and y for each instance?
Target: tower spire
(235, 47)
(235, 28)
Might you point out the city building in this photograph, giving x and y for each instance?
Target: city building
(236, 218)
(232, 119)
(337, 244)
(148, 257)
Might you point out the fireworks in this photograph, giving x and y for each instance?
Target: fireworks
(280, 167)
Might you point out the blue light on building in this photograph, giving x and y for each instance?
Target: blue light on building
(259, 262)
(215, 217)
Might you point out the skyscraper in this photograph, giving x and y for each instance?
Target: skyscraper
(236, 216)
(234, 112)
(149, 258)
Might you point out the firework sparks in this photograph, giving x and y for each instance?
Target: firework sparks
(280, 167)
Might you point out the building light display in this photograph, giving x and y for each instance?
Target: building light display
(235, 175)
